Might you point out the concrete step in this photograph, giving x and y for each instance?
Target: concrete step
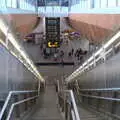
(47, 108)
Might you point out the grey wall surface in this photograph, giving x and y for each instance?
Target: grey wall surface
(105, 75)
(13, 74)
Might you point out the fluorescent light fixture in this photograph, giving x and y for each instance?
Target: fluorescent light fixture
(1, 41)
(114, 38)
(90, 61)
(11, 38)
(118, 44)
(108, 51)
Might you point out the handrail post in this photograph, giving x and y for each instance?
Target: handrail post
(26, 104)
(74, 105)
(5, 105)
(66, 109)
(39, 85)
(17, 110)
(7, 101)
(64, 102)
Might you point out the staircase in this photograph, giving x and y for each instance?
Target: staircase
(47, 108)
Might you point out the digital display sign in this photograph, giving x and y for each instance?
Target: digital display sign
(52, 32)
(52, 44)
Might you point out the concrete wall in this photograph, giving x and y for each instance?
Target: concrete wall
(94, 26)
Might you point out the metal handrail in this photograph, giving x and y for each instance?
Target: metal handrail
(74, 105)
(102, 98)
(105, 49)
(101, 89)
(9, 97)
(74, 111)
(14, 104)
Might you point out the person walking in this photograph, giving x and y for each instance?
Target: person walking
(69, 54)
(72, 51)
(61, 54)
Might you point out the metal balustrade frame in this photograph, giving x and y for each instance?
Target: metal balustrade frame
(9, 98)
(17, 103)
(70, 101)
(114, 99)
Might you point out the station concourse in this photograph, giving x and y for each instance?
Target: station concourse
(59, 59)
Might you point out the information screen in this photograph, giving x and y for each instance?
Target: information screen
(52, 44)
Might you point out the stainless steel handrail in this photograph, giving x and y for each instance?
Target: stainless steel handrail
(74, 105)
(9, 97)
(101, 53)
(103, 98)
(101, 89)
(71, 101)
(17, 103)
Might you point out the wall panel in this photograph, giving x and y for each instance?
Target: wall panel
(13, 74)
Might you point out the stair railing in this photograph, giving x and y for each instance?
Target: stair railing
(68, 105)
(14, 98)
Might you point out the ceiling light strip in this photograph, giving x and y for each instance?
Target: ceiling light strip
(12, 39)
